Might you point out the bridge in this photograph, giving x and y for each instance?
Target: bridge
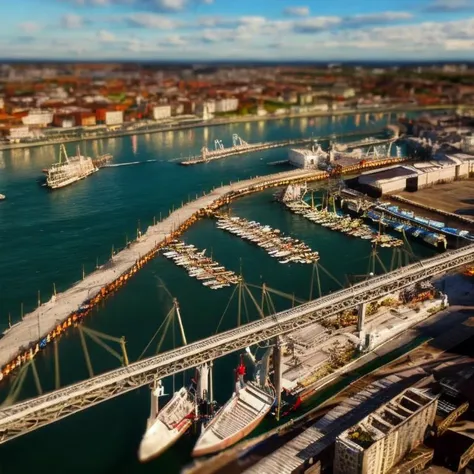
(240, 146)
(23, 417)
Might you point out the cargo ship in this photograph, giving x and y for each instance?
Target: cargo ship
(247, 407)
(69, 170)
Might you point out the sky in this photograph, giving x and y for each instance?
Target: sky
(200, 30)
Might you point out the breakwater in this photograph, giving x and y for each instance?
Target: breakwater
(42, 326)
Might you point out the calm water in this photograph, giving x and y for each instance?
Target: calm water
(46, 237)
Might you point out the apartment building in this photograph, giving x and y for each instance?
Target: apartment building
(382, 439)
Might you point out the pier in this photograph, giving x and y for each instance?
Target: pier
(37, 329)
(240, 146)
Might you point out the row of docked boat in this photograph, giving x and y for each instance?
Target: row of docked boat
(344, 224)
(432, 238)
(409, 217)
(203, 268)
(285, 249)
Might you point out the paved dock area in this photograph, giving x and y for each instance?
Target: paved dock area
(456, 198)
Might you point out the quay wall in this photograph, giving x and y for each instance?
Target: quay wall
(50, 320)
(396, 197)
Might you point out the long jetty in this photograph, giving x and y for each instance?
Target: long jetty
(207, 156)
(37, 329)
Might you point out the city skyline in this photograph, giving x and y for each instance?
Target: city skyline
(221, 30)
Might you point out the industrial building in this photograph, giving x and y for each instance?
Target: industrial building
(386, 436)
(417, 176)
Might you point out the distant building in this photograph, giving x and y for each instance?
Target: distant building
(161, 112)
(230, 104)
(38, 118)
(114, 117)
(64, 120)
(382, 439)
(467, 144)
(16, 134)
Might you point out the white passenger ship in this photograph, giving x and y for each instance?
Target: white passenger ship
(69, 170)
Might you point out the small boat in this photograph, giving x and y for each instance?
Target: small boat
(165, 427)
(247, 407)
(2, 197)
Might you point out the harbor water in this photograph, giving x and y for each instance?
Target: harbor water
(47, 239)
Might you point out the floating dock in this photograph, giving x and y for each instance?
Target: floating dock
(200, 267)
(286, 249)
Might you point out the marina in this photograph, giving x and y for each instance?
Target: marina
(343, 223)
(114, 316)
(198, 266)
(286, 249)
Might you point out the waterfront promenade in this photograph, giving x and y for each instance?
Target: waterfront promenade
(177, 125)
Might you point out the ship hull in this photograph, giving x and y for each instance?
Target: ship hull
(237, 418)
(228, 442)
(161, 439)
(71, 180)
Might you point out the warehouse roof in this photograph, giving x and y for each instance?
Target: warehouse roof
(388, 174)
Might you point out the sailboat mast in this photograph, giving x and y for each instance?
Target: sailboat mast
(181, 328)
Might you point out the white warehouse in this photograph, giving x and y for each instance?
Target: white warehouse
(419, 175)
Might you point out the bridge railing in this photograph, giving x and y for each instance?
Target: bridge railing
(31, 414)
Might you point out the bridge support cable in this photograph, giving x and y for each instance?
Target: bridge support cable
(156, 333)
(36, 377)
(97, 337)
(86, 352)
(315, 271)
(32, 414)
(268, 289)
(16, 386)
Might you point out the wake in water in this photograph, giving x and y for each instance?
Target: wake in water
(115, 165)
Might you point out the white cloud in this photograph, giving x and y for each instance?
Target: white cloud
(30, 27)
(377, 18)
(174, 40)
(316, 24)
(71, 21)
(440, 6)
(150, 20)
(106, 36)
(296, 11)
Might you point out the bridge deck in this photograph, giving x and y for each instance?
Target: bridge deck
(32, 414)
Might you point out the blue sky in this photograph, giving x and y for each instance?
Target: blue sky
(237, 29)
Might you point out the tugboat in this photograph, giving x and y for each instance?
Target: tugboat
(247, 407)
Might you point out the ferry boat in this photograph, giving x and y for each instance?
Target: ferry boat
(165, 427)
(247, 407)
(69, 170)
